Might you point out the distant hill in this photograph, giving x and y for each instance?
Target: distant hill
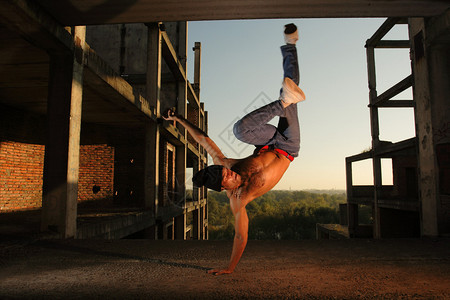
(331, 192)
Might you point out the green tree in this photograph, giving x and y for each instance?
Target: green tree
(277, 214)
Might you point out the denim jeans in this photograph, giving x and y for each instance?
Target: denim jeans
(253, 128)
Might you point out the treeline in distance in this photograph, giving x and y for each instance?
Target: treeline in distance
(276, 215)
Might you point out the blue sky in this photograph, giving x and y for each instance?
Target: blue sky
(241, 69)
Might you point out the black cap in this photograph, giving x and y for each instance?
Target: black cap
(211, 177)
(290, 28)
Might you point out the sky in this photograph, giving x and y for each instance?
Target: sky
(241, 70)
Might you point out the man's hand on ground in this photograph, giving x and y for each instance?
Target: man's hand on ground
(219, 272)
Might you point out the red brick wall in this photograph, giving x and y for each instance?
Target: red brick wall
(166, 174)
(21, 167)
(21, 173)
(96, 172)
(192, 116)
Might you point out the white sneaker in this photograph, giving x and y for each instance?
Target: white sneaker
(291, 93)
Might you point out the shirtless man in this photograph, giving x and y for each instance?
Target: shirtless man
(248, 178)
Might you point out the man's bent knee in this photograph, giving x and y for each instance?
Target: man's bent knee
(238, 130)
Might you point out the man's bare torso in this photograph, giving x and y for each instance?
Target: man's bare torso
(260, 173)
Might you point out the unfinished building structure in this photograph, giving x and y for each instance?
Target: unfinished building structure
(80, 107)
(418, 201)
(81, 136)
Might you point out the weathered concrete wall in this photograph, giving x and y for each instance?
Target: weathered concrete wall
(431, 66)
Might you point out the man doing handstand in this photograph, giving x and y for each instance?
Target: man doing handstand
(248, 178)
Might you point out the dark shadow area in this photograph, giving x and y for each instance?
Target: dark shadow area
(102, 12)
(64, 247)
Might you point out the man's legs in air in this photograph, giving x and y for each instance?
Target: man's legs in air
(254, 128)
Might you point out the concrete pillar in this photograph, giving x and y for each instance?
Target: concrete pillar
(439, 62)
(431, 66)
(152, 135)
(151, 169)
(202, 222)
(197, 67)
(61, 161)
(196, 224)
(205, 222)
(180, 227)
(352, 209)
(196, 166)
(427, 168)
(375, 129)
(181, 151)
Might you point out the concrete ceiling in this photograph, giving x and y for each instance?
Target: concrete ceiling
(29, 30)
(24, 74)
(85, 12)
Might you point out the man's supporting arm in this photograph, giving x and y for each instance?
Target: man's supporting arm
(201, 137)
(239, 243)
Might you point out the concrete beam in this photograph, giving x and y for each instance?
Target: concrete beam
(105, 81)
(35, 25)
(137, 11)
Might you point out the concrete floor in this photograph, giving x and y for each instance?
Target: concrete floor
(145, 269)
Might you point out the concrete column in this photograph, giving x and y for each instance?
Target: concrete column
(151, 169)
(197, 67)
(352, 209)
(375, 129)
(427, 168)
(181, 151)
(196, 224)
(180, 227)
(205, 223)
(202, 222)
(440, 86)
(61, 161)
(196, 191)
(152, 135)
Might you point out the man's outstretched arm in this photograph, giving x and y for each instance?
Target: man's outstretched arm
(201, 137)
(239, 243)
